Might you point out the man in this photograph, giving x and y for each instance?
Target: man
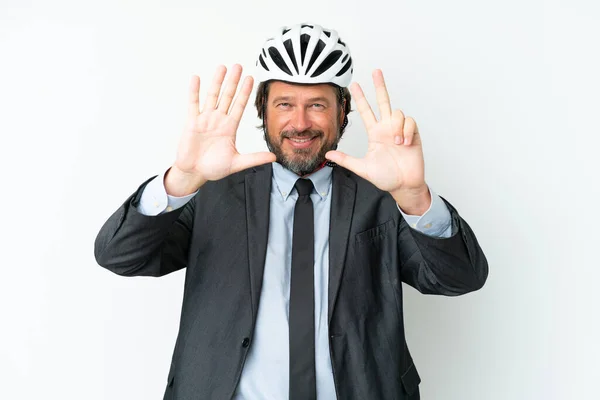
(294, 263)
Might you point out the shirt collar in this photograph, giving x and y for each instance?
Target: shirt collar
(286, 179)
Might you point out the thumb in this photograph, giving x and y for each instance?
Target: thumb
(354, 164)
(244, 161)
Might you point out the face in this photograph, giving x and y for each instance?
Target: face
(302, 124)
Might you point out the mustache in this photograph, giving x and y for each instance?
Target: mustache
(309, 133)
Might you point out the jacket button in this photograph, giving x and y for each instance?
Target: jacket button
(245, 342)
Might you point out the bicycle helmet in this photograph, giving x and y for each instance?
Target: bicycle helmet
(305, 53)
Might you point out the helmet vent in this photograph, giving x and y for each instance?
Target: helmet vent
(345, 68)
(278, 60)
(262, 62)
(316, 53)
(304, 39)
(290, 50)
(327, 63)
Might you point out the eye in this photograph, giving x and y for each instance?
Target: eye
(283, 105)
(317, 105)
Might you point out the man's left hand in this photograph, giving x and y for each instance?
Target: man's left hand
(394, 159)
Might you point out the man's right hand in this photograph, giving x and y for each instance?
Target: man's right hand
(207, 149)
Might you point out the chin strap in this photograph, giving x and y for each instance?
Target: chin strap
(326, 163)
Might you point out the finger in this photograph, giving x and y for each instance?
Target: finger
(398, 122)
(237, 110)
(411, 131)
(355, 165)
(230, 88)
(362, 105)
(383, 99)
(245, 161)
(194, 102)
(215, 88)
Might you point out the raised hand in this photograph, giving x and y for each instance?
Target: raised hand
(207, 150)
(394, 158)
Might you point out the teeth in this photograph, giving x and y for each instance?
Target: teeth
(300, 140)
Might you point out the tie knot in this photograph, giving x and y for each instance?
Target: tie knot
(304, 187)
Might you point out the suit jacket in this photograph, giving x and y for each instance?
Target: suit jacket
(221, 237)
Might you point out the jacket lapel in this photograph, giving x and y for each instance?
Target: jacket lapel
(258, 194)
(342, 206)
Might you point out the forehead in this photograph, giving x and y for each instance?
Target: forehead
(278, 88)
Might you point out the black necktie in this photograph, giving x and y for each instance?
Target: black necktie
(302, 304)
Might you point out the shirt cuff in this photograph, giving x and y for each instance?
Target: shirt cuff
(155, 200)
(436, 221)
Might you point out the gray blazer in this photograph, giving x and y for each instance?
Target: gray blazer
(221, 237)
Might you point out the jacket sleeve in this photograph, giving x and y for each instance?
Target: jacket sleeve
(448, 266)
(132, 244)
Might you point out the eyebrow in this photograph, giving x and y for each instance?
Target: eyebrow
(311, 100)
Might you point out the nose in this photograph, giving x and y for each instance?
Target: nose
(300, 120)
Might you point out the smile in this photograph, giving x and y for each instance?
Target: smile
(300, 140)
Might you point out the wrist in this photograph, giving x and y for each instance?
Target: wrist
(414, 201)
(178, 183)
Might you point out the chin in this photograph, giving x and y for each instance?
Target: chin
(301, 165)
(304, 155)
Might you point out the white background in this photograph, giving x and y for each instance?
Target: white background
(93, 100)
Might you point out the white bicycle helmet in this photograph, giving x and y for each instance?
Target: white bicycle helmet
(305, 53)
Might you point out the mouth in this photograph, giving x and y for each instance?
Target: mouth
(301, 142)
